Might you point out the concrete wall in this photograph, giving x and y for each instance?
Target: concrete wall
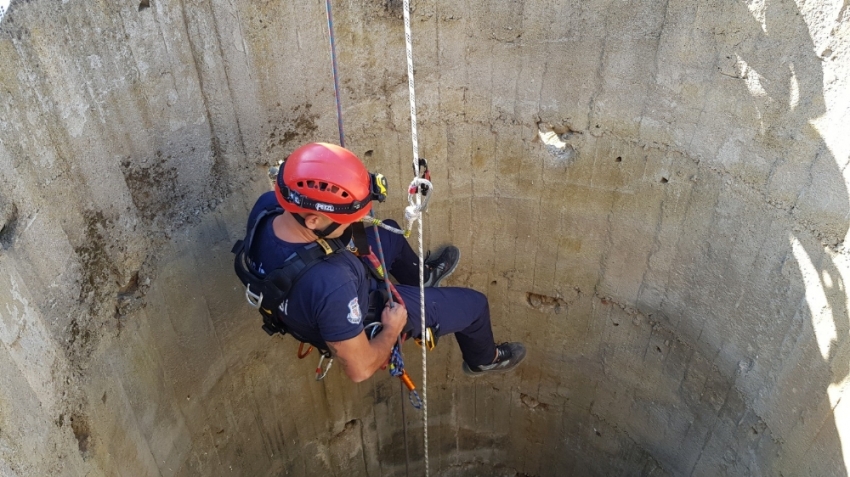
(652, 194)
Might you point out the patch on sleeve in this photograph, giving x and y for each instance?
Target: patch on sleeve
(354, 315)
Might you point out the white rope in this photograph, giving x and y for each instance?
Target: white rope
(408, 42)
(416, 214)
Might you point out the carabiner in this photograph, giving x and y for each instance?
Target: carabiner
(322, 372)
(301, 353)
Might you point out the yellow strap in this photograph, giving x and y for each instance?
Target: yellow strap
(325, 246)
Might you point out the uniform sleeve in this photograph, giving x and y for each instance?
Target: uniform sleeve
(340, 315)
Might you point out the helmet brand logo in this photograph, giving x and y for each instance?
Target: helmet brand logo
(324, 207)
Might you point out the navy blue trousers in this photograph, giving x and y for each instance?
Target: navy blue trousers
(462, 311)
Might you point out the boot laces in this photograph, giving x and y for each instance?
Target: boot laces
(503, 352)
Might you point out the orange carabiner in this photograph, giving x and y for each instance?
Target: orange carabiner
(301, 353)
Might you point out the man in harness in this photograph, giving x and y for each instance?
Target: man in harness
(298, 263)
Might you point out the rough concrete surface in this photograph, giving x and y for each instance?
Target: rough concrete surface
(654, 195)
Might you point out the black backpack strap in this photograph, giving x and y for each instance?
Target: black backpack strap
(269, 292)
(249, 237)
(358, 236)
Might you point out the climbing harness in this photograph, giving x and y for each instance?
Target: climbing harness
(270, 292)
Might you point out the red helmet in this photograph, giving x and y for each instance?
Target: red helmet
(325, 178)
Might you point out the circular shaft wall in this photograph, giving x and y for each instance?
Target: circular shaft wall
(652, 194)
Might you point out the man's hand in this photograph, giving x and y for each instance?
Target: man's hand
(393, 319)
(360, 358)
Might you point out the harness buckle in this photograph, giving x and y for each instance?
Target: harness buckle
(253, 299)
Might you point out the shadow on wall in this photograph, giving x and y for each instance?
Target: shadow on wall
(775, 58)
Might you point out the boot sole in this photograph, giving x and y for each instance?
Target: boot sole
(449, 272)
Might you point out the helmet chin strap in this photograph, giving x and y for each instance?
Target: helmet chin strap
(319, 233)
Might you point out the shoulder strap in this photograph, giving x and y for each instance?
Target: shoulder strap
(269, 292)
(249, 236)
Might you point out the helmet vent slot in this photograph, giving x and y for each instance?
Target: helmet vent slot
(311, 184)
(344, 194)
(323, 186)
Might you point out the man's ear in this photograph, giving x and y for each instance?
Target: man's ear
(312, 221)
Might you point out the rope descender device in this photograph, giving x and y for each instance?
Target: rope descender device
(397, 370)
(418, 194)
(423, 173)
(396, 365)
(431, 338)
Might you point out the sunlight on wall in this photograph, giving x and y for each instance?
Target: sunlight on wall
(757, 8)
(827, 337)
(821, 312)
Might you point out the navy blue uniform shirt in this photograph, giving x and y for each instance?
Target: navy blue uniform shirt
(329, 302)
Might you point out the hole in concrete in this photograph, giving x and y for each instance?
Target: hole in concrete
(545, 303)
(494, 282)
(144, 4)
(619, 159)
(554, 140)
(369, 153)
(8, 224)
(664, 180)
(658, 348)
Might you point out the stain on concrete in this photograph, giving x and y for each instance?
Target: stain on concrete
(394, 8)
(154, 186)
(98, 269)
(130, 296)
(292, 131)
